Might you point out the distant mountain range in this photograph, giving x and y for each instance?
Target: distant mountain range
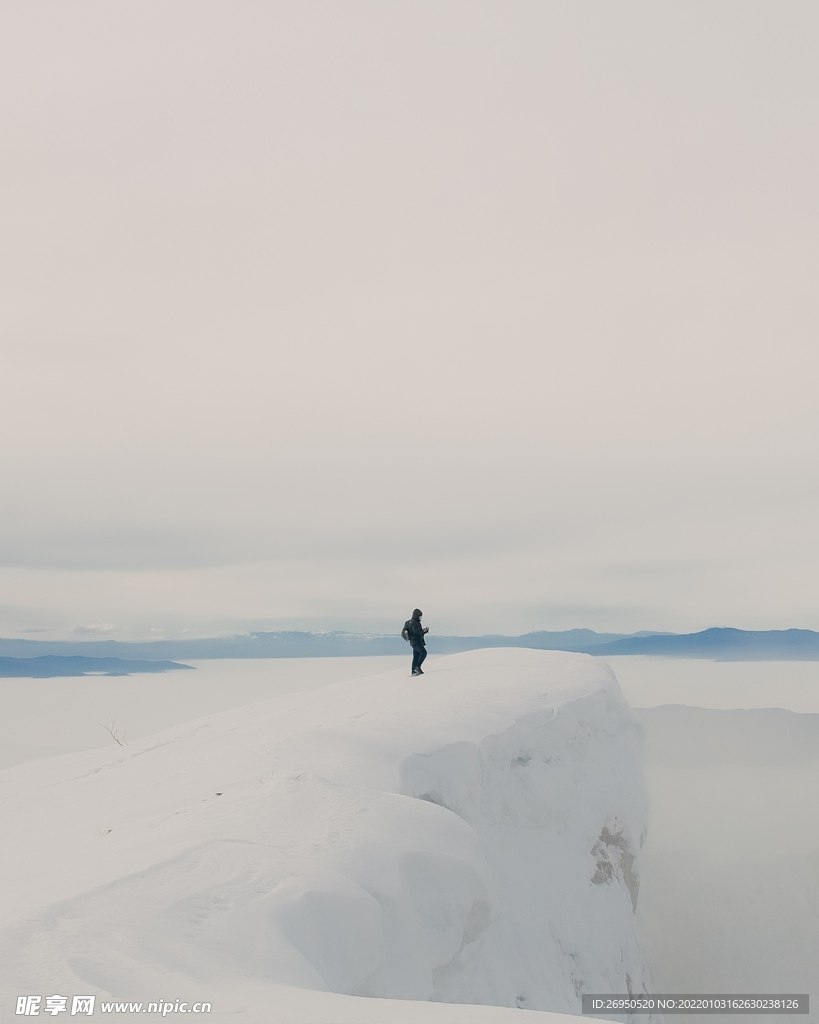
(51, 666)
(719, 644)
(722, 644)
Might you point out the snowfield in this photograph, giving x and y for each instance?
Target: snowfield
(470, 836)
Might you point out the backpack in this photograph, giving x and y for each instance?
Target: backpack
(405, 630)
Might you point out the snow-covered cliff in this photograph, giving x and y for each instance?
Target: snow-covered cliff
(469, 836)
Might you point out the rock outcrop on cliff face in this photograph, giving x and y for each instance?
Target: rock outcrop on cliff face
(472, 835)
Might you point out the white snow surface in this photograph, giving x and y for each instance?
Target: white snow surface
(472, 835)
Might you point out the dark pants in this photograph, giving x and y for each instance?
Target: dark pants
(418, 655)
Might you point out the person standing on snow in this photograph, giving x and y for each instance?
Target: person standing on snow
(414, 632)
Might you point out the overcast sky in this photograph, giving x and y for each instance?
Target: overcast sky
(315, 312)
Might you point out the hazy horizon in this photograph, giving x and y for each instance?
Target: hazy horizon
(315, 313)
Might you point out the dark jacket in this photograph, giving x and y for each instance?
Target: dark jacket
(415, 631)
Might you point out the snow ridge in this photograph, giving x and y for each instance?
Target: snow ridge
(471, 836)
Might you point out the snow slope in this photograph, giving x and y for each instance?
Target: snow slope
(470, 836)
(46, 717)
